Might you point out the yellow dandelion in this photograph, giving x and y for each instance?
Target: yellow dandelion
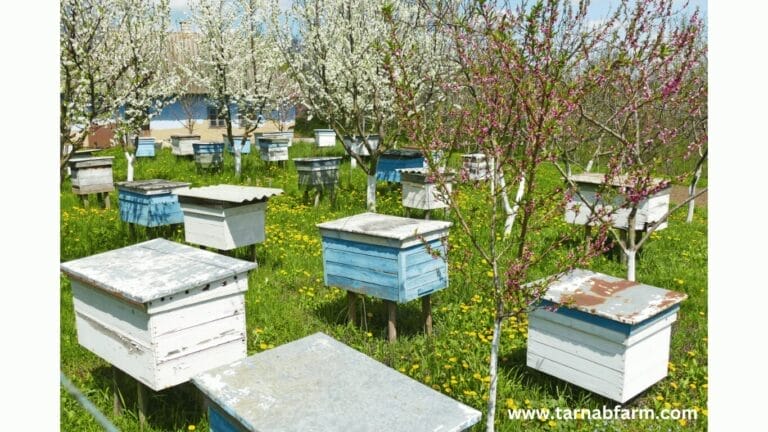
(191, 427)
(683, 422)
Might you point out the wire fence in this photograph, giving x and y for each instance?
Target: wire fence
(87, 404)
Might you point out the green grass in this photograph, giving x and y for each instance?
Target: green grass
(287, 300)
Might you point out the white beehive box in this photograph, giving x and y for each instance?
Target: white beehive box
(160, 311)
(325, 137)
(650, 210)
(420, 191)
(91, 175)
(225, 216)
(476, 166)
(607, 335)
(181, 145)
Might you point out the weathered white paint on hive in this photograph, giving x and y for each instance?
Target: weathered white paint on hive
(325, 137)
(181, 145)
(225, 216)
(650, 210)
(475, 165)
(161, 311)
(607, 335)
(384, 230)
(91, 174)
(319, 384)
(421, 193)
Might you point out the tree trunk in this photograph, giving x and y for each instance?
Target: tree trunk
(631, 254)
(370, 199)
(511, 211)
(692, 192)
(129, 159)
(491, 416)
(238, 157)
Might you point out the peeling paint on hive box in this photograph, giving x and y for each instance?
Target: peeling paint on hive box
(318, 384)
(602, 333)
(160, 311)
(225, 216)
(649, 210)
(385, 256)
(315, 171)
(246, 147)
(273, 149)
(150, 203)
(475, 165)
(91, 175)
(209, 155)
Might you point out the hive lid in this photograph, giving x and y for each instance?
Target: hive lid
(610, 297)
(320, 384)
(156, 268)
(91, 161)
(402, 153)
(318, 159)
(153, 186)
(231, 193)
(185, 136)
(599, 178)
(385, 226)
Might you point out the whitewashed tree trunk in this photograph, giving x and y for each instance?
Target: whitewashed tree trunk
(353, 162)
(370, 199)
(692, 192)
(493, 373)
(238, 158)
(129, 159)
(510, 210)
(631, 262)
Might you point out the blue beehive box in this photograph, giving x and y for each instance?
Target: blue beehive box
(318, 384)
(150, 203)
(146, 147)
(392, 160)
(385, 256)
(238, 139)
(209, 155)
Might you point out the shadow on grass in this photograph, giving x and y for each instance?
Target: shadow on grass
(170, 409)
(372, 316)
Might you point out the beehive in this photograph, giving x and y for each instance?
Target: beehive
(146, 147)
(476, 166)
(91, 175)
(395, 159)
(602, 333)
(273, 149)
(357, 146)
(649, 210)
(318, 384)
(318, 171)
(209, 155)
(181, 145)
(385, 256)
(325, 137)
(246, 149)
(225, 216)
(160, 311)
(150, 203)
(420, 190)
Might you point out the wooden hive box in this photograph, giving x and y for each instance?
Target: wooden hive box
(274, 149)
(150, 203)
(476, 166)
(325, 137)
(208, 155)
(181, 145)
(91, 175)
(280, 135)
(650, 210)
(395, 159)
(357, 146)
(318, 384)
(420, 191)
(318, 171)
(146, 147)
(238, 141)
(160, 311)
(225, 216)
(385, 256)
(607, 335)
